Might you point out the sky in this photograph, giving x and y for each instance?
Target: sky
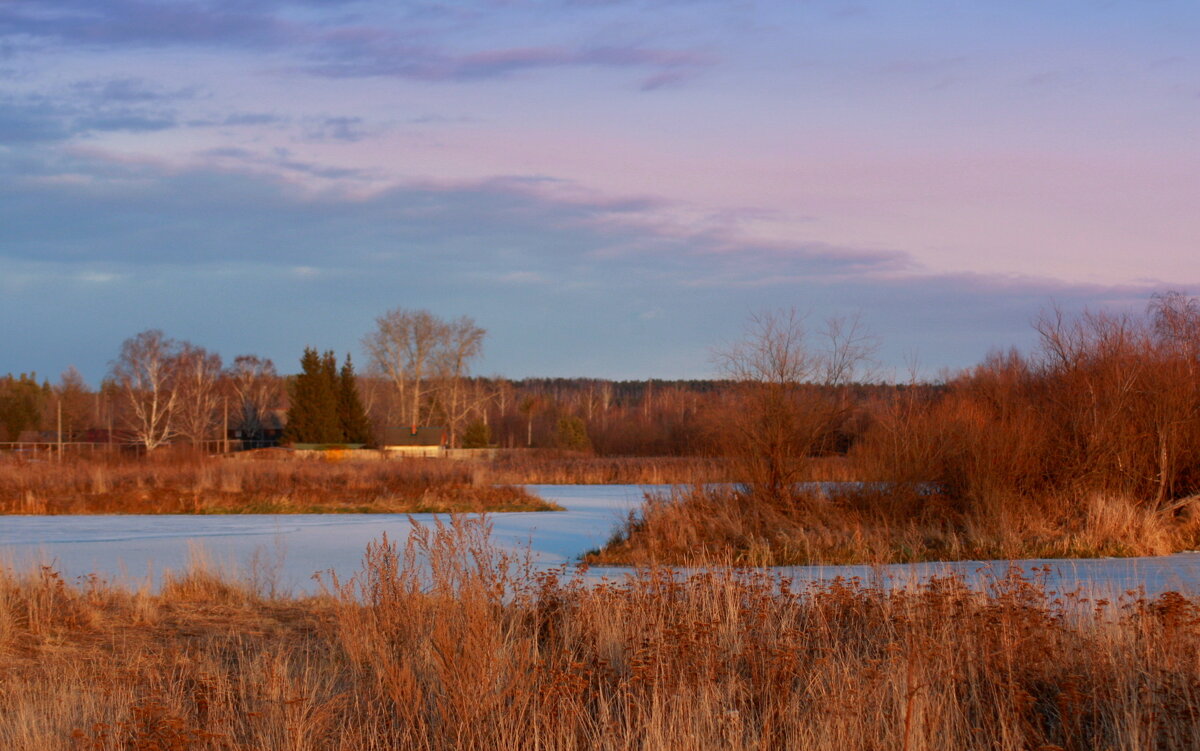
(609, 187)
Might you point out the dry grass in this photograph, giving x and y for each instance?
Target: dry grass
(475, 651)
(885, 524)
(535, 466)
(200, 484)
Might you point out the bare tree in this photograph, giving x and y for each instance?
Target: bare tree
(462, 343)
(849, 352)
(75, 400)
(256, 388)
(146, 378)
(403, 347)
(198, 377)
(1176, 320)
(530, 406)
(786, 405)
(426, 357)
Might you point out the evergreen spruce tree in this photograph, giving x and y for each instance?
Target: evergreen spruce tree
(21, 404)
(313, 414)
(331, 425)
(355, 426)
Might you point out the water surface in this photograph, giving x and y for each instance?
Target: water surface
(291, 548)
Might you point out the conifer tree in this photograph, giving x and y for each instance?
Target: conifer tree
(313, 414)
(21, 404)
(355, 426)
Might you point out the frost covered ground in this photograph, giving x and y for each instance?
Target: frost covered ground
(291, 548)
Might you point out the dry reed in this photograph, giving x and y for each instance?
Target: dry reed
(534, 466)
(174, 484)
(448, 644)
(884, 524)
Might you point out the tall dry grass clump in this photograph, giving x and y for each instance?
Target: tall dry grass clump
(821, 524)
(447, 643)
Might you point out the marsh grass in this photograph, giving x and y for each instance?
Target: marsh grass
(549, 467)
(884, 524)
(447, 643)
(192, 483)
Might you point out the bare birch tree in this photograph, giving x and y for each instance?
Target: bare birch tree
(198, 377)
(462, 343)
(403, 347)
(146, 378)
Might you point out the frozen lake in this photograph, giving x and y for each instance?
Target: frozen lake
(136, 549)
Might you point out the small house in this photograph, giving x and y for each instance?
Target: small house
(418, 441)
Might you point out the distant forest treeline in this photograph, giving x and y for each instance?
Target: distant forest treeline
(610, 418)
(165, 391)
(1106, 402)
(1086, 444)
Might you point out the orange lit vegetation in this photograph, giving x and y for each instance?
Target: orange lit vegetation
(479, 652)
(1089, 446)
(194, 483)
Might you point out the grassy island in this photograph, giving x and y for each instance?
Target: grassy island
(215, 485)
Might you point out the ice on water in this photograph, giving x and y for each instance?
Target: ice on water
(135, 549)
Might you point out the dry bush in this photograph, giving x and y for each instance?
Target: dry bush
(789, 399)
(446, 643)
(1090, 446)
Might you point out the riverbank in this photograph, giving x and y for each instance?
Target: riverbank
(140, 551)
(452, 644)
(855, 523)
(214, 485)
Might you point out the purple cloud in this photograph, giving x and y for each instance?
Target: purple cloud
(346, 129)
(31, 120)
(333, 50)
(281, 162)
(131, 91)
(34, 118)
(388, 57)
(124, 22)
(133, 122)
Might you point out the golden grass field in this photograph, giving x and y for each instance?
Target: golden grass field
(724, 525)
(181, 484)
(478, 651)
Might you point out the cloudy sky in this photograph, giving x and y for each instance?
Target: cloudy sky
(608, 187)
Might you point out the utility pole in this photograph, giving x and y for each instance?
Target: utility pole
(225, 424)
(60, 443)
